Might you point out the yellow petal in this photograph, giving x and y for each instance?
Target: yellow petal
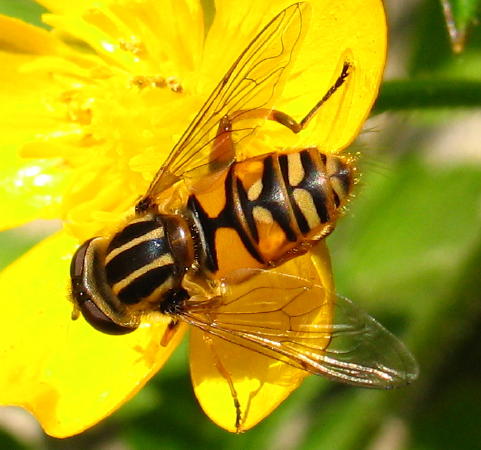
(260, 383)
(336, 32)
(67, 374)
(146, 36)
(29, 189)
(340, 31)
(218, 368)
(62, 6)
(235, 25)
(25, 186)
(79, 107)
(23, 113)
(19, 36)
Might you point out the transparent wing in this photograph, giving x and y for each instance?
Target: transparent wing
(293, 320)
(250, 84)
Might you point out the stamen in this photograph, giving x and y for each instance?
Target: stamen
(134, 46)
(156, 81)
(79, 109)
(174, 85)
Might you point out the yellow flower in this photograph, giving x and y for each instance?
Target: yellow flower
(88, 112)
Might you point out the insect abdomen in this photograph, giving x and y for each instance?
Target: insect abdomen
(289, 203)
(277, 204)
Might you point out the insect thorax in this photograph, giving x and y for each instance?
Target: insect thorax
(115, 280)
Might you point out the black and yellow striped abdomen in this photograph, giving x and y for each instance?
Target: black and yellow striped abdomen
(266, 210)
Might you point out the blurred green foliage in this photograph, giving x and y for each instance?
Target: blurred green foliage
(464, 11)
(409, 251)
(460, 15)
(24, 9)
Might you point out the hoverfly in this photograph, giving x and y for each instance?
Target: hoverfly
(213, 241)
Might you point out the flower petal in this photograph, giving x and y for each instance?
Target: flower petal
(99, 122)
(61, 6)
(19, 36)
(67, 374)
(235, 25)
(336, 32)
(346, 30)
(29, 189)
(22, 114)
(143, 36)
(260, 383)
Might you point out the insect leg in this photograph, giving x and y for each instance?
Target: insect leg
(223, 150)
(75, 312)
(223, 371)
(169, 332)
(290, 123)
(286, 119)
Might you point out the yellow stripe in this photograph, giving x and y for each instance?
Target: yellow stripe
(306, 204)
(165, 259)
(295, 171)
(262, 215)
(255, 190)
(154, 234)
(164, 287)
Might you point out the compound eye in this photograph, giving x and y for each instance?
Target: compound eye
(99, 320)
(78, 260)
(85, 293)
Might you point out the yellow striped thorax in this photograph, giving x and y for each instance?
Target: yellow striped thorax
(115, 280)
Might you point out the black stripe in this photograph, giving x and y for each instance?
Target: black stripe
(313, 184)
(144, 285)
(300, 219)
(337, 200)
(272, 198)
(133, 259)
(132, 231)
(247, 210)
(343, 175)
(284, 165)
(228, 217)
(323, 159)
(207, 227)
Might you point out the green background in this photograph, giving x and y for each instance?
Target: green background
(408, 251)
